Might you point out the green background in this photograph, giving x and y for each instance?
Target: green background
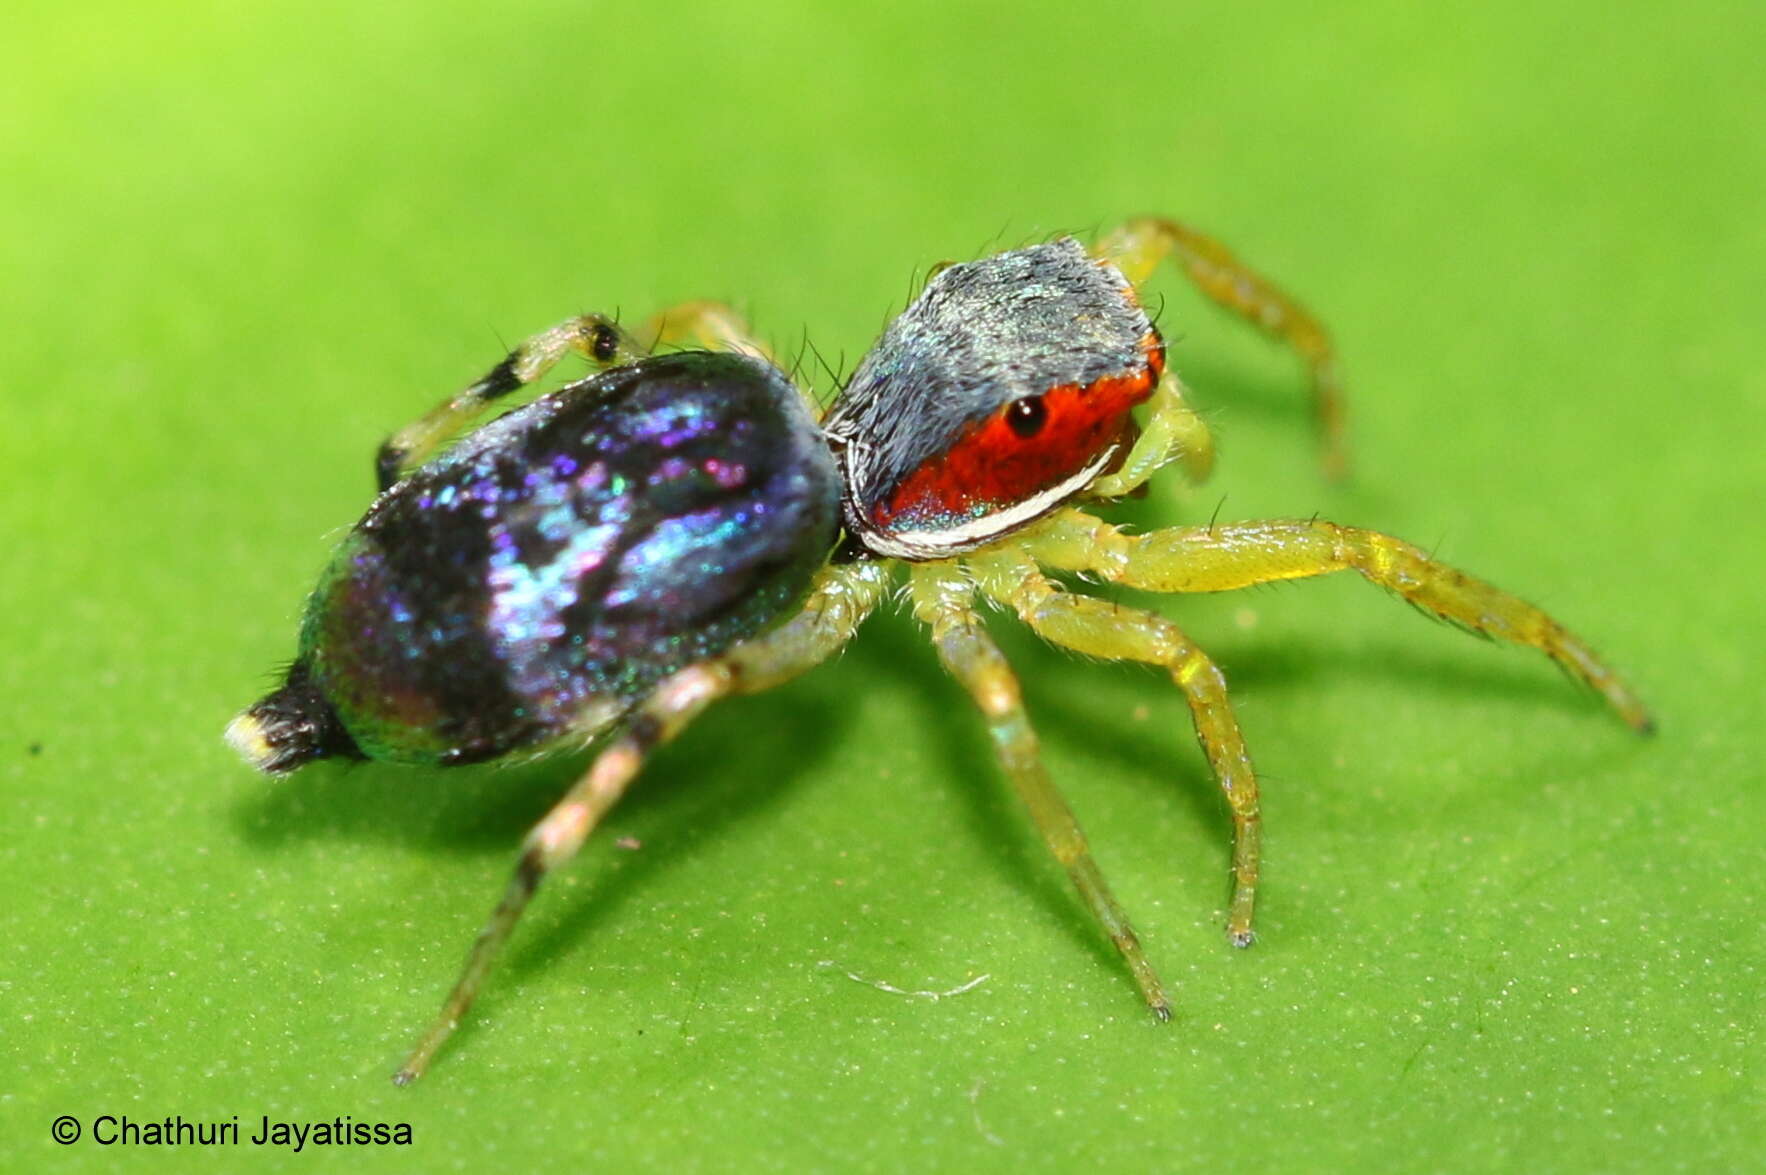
(241, 243)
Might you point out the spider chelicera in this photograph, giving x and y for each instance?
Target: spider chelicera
(609, 559)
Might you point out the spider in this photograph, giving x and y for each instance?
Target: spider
(608, 560)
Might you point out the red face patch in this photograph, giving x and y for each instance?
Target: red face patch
(1020, 450)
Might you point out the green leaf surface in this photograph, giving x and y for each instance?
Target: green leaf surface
(242, 243)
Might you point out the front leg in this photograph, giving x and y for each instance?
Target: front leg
(941, 595)
(1222, 558)
(1137, 248)
(1173, 433)
(1099, 628)
(593, 336)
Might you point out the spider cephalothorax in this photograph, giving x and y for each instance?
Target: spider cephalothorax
(625, 551)
(1002, 390)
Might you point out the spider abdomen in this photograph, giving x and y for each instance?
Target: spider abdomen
(555, 564)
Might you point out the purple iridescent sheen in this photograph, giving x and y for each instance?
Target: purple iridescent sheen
(569, 555)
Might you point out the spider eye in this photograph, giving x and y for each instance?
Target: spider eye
(1027, 416)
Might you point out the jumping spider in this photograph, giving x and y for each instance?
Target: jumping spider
(608, 560)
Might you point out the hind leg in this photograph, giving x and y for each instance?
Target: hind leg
(593, 336)
(555, 839)
(835, 608)
(713, 326)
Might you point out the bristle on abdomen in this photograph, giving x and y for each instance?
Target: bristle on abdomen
(290, 727)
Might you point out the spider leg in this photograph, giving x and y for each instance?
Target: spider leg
(843, 597)
(1173, 432)
(556, 838)
(1098, 628)
(1221, 558)
(593, 336)
(714, 326)
(1137, 247)
(942, 598)
(835, 608)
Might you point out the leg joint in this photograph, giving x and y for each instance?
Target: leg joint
(1197, 673)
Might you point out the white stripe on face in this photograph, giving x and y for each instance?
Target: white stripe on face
(978, 532)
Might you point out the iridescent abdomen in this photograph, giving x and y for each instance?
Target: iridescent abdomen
(561, 560)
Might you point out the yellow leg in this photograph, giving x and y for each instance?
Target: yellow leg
(941, 595)
(555, 839)
(593, 336)
(1137, 248)
(1221, 558)
(835, 608)
(843, 597)
(713, 326)
(1173, 433)
(1100, 629)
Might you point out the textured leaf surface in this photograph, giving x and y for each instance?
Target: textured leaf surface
(243, 243)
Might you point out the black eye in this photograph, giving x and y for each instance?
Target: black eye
(1027, 416)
